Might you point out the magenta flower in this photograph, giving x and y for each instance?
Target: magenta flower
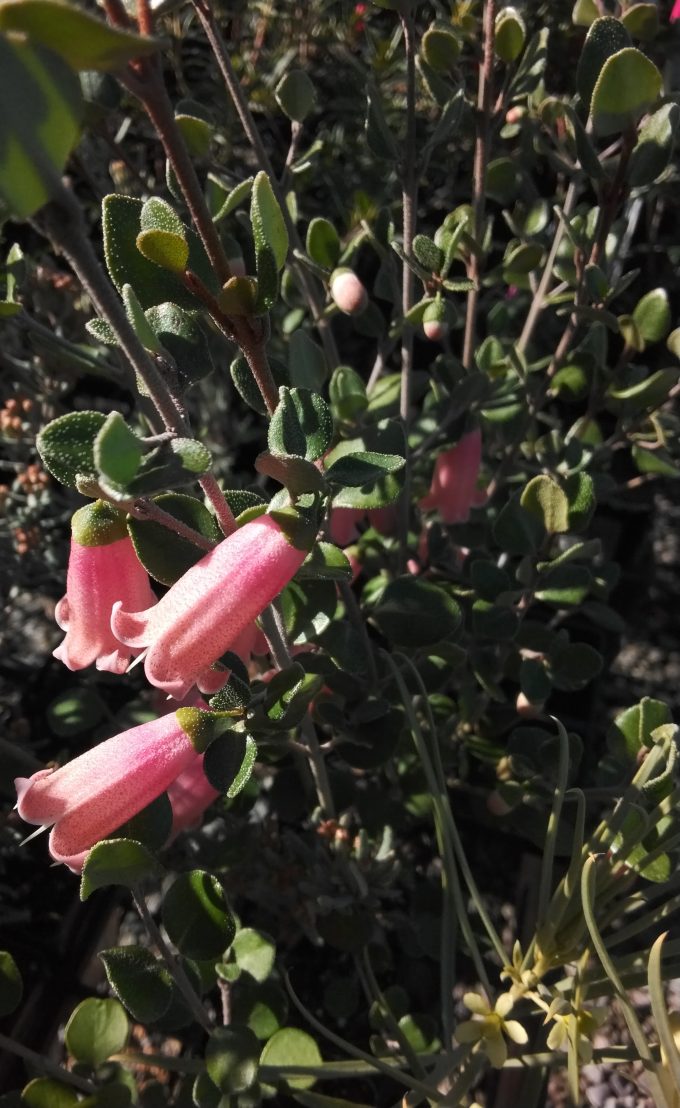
(204, 612)
(675, 14)
(94, 794)
(454, 483)
(102, 569)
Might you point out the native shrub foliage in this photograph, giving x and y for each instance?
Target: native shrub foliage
(344, 333)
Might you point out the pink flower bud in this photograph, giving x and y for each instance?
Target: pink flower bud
(435, 322)
(204, 612)
(95, 793)
(103, 568)
(342, 527)
(454, 483)
(348, 292)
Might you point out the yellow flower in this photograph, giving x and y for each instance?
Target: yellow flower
(489, 1026)
(573, 1026)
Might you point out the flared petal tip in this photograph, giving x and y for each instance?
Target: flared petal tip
(130, 628)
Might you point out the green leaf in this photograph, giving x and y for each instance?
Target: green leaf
(502, 180)
(632, 730)
(246, 386)
(75, 711)
(263, 1008)
(414, 613)
(96, 1030)
(117, 862)
(628, 86)
(428, 254)
(510, 34)
(493, 621)
(294, 473)
(295, 94)
(45, 1092)
(363, 468)
(307, 362)
(606, 37)
(652, 315)
(580, 493)
(11, 985)
(229, 761)
(378, 135)
(642, 21)
(163, 554)
(181, 335)
(385, 437)
(291, 1047)
(164, 249)
(302, 424)
(66, 445)
(308, 607)
(81, 40)
(117, 450)
(269, 228)
(121, 225)
(585, 13)
(654, 146)
(440, 47)
(347, 393)
(231, 1058)
(545, 500)
(517, 530)
(323, 243)
(649, 393)
(566, 586)
(139, 981)
(196, 915)
(42, 127)
(231, 198)
(325, 561)
(575, 665)
(254, 953)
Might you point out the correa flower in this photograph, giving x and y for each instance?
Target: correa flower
(490, 1026)
(454, 483)
(675, 13)
(103, 568)
(190, 794)
(91, 796)
(202, 615)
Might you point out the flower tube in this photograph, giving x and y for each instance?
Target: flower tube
(454, 483)
(190, 794)
(102, 569)
(91, 796)
(204, 612)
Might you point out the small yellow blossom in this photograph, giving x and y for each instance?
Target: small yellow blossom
(573, 1026)
(489, 1025)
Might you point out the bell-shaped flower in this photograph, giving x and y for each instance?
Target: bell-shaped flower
(102, 569)
(203, 614)
(675, 12)
(91, 796)
(454, 483)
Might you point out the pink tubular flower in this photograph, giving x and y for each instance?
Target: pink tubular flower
(204, 612)
(675, 14)
(454, 482)
(190, 794)
(94, 794)
(103, 568)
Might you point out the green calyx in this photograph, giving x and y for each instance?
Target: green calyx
(98, 524)
(202, 727)
(299, 525)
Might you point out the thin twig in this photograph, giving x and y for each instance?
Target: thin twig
(174, 966)
(44, 1065)
(409, 196)
(484, 97)
(144, 509)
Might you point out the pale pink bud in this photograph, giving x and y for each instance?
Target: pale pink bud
(204, 612)
(348, 292)
(102, 569)
(435, 330)
(454, 483)
(95, 793)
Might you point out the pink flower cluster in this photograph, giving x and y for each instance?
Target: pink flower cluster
(110, 614)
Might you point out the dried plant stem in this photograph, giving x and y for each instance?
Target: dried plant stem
(484, 99)
(538, 300)
(409, 196)
(217, 43)
(174, 967)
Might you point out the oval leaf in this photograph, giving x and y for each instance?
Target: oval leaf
(96, 1030)
(196, 916)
